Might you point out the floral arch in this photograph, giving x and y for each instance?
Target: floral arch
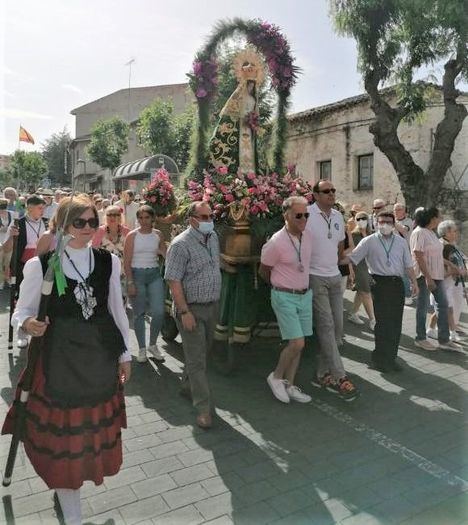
(271, 43)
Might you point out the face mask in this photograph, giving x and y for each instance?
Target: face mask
(385, 229)
(362, 223)
(206, 227)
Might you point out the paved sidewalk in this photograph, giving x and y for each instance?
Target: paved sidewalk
(397, 455)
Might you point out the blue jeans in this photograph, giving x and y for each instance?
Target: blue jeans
(407, 285)
(148, 300)
(441, 310)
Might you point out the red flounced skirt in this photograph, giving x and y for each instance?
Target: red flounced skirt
(67, 446)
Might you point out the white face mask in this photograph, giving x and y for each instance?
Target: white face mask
(206, 227)
(385, 229)
(362, 223)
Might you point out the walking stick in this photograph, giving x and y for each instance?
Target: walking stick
(34, 350)
(13, 290)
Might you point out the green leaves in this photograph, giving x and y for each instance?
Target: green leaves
(27, 168)
(109, 141)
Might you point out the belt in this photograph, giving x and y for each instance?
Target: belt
(291, 290)
(386, 277)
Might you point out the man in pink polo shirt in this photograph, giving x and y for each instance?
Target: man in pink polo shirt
(285, 265)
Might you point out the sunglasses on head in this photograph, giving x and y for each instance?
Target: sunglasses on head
(361, 219)
(306, 215)
(205, 217)
(79, 223)
(328, 190)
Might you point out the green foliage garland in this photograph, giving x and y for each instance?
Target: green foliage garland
(203, 81)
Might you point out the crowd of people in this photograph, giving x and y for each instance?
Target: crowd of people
(115, 258)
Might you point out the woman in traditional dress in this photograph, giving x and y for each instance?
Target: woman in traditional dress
(76, 407)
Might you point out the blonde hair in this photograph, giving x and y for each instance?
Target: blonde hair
(71, 208)
(362, 215)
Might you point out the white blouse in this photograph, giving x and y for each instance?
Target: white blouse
(30, 290)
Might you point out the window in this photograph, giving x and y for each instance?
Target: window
(325, 170)
(365, 172)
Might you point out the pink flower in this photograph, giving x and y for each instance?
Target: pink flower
(152, 199)
(201, 92)
(229, 197)
(251, 176)
(222, 170)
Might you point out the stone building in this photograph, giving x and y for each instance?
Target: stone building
(126, 104)
(334, 142)
(5, 161)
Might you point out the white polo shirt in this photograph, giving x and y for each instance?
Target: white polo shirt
(327, 232)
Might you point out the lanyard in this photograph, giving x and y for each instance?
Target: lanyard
(76, 269)
(38, 231)
(387, 251)
(298, 251)
(328, 221)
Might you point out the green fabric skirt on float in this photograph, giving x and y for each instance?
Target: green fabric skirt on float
(244, 305)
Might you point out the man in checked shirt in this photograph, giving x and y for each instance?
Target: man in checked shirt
(194, 277)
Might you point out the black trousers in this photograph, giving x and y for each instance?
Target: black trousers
(388, 295)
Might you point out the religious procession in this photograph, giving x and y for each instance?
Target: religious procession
(250, 244)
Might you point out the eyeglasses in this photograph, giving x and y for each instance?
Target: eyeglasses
(79, 223)
(113, 215)
(361, 220)
(306, 215)
(328, 190)
(379, 208)
(205, 217)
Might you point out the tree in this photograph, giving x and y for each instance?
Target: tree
(183, 131)
(6, 178)
(109, 141)
(26, 168)
(54, 151)
(155, 129)
(396, 39)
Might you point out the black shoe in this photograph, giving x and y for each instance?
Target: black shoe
(396, 367)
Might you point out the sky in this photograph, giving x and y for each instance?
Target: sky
(57, 55)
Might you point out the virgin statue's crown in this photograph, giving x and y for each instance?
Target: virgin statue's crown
(248, 65)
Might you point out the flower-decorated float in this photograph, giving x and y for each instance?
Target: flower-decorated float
(246, 197)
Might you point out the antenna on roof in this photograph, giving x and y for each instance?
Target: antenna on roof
(129, 64)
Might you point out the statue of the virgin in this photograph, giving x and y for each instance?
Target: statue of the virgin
(234, 141)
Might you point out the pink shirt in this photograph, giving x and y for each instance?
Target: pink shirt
(426, 241)
(281, 252)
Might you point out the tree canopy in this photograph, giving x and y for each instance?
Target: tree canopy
(26, 169)
(109, 141)
(54, 151)
(397, 40)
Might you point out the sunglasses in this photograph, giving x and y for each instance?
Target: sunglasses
(306, 215)
(205, 217)
(113, 214)
(379, 208)
(79, 223)
(327, 191)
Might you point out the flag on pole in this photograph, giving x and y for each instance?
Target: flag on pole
(25, 136)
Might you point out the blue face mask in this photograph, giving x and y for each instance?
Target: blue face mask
(205, 227)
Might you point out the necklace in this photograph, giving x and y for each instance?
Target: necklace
(83, 291)
(38, 231)
(387, 250)
(297, 250)
(328, 221)
(119, 234)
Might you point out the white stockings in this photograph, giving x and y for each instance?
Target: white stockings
(71, 505)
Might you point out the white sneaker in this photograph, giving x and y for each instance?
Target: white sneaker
(295, 394)
(141, 358)
(278, 387)
(455, 337)
(372, 324)
(22, 342)
(2, 286)
(157, 354)
(354, 318)
(408, 301)
(450, 345)
(425, 344)
(432, 333)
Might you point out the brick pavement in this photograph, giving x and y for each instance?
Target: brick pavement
(396, 455)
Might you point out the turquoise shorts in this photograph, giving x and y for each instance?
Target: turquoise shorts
(293, 313)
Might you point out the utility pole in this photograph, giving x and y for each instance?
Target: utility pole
(129, 64)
